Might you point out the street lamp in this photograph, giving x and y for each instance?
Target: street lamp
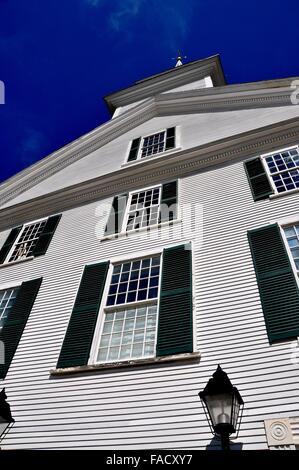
(5, 415)
(223, 406)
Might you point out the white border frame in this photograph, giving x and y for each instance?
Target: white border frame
(269, 175)
(126, 215)
(126, 233)
(6, 261)
(282, 227)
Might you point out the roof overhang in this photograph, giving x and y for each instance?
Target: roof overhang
(168, 80)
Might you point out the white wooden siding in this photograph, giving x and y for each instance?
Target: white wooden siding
(194, 129)
(154, 406)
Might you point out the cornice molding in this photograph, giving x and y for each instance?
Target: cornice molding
(177, 164)
(197, 102)
(183, 102)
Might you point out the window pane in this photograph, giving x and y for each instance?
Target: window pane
(7, 299)
(138, 284)
(132, 335)
(146, 212)
(292, 234)
(279, 166)
(153, 144)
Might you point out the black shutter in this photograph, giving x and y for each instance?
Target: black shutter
(116, 215)
(258, 179)
(276, 281)
(134, 149)
(175, 324)
(9, 243)
(79, 335)
(46, 235)
(170, 138)
(168, 200)
(16, 321)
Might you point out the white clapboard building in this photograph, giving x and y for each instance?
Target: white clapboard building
(140, 256)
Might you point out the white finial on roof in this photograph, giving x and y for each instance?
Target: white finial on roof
(179, 58)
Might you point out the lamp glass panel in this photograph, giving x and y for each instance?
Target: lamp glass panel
(236, 410)
(219, 408)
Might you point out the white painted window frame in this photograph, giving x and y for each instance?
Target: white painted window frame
(139, 159)
(282, 226)
(124, 232)
(105, 309)
(17, 240)
(127, 212)
(9, 286)
(121, 259)
(269, 174)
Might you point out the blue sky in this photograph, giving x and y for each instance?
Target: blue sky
(58, 58)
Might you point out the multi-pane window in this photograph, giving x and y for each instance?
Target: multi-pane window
(129, 333)
(7, 298)
(153, 144)
(284, 169)
(130, 316)
(143, 209)
(26, 242)
(292, 236)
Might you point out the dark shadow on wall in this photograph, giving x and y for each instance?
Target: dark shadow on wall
(215, 444)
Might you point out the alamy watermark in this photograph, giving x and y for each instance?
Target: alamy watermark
(295, 93)
(2, 92)
(112, 224)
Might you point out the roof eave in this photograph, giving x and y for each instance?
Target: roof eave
(166, 80)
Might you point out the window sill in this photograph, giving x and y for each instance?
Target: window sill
(143, 229)
(11, 263)
(276, 195)
(150, 158)
(126, 364)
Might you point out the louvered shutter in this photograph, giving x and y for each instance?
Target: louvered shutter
(79, 335)
(16, 321)
(276, 281)
(46, 236)
(175, 324)
(13, 235)
(258, 179)
(134, 149)
(170, 138)
(168, 200)
(116, 215)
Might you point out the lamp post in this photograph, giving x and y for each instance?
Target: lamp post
(223, 406)
(5, 415)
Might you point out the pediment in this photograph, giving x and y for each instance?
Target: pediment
(224, 99)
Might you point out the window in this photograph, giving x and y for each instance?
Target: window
(292, 236)
(31, 239)
(7, 298)
(153, 144)
(130, 316)
(143, 208)
(150, 206)
(129, 310)
(283, 169)
(27, 240)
